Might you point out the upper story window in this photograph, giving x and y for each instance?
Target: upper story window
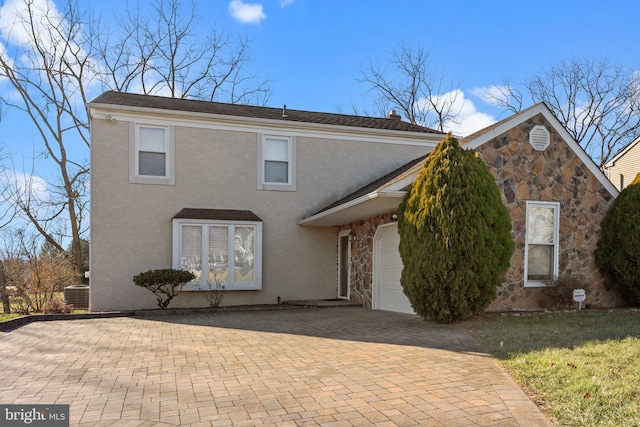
(542, 235)
(152, 154)
(152, 151)
(276, 163)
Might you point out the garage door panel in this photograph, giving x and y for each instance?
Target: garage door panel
(388, 272)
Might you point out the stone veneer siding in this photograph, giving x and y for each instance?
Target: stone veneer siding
(554, 175)
(361, 259)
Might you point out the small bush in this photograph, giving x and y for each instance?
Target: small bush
(618, 251)
(214, 293)
(55, 306)
(164, 283)
(559, 292)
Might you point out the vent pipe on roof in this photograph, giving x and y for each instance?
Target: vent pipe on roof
(284, 111)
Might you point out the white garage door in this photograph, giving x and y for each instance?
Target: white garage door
(387, 270)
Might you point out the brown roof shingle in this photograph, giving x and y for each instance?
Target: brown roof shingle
(189, 105)
(217, 214)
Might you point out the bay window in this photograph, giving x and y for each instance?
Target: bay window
(220, 253)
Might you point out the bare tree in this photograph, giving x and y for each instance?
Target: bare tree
(48, 65)
(162, 54)
(598, 103)
(53, 57)
(407, 82)
(36, 271)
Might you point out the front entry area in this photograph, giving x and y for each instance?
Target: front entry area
(387, 268)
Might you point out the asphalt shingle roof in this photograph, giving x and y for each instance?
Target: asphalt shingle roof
(189, 105)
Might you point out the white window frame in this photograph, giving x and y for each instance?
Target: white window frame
(291, 167)
(556, 241)
(229, 285)
(134, 152)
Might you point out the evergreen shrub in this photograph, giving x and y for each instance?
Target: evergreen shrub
(455, 236)
(618, 251)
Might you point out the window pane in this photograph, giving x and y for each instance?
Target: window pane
(276, 172)
(276, 149)
(540, 262)
(218, 254)
(191, 250)
(152, 164)
(540, 225)
(243, 243)
(152, 139)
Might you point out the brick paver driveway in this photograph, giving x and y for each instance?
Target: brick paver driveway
(329, 366)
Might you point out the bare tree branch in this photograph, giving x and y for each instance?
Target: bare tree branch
(596, 102)
(162, 54)
(48, 63)
(407, 83)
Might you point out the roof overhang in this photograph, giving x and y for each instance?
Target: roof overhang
(367, 206)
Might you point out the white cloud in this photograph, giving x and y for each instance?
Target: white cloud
(14, 22)
(25, 187)
(492, 94)
(285, 3)
(247, 13)
(469, 119)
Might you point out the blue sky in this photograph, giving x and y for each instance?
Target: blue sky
(311, 49)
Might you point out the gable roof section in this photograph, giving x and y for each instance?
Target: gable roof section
(622, 152)
(389, 183)
(483, 136)
(123, 99)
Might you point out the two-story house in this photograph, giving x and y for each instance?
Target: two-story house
(279, 204)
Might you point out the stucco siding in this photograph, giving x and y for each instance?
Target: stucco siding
(131, 224)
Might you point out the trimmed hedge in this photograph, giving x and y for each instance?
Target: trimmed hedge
(164, 283)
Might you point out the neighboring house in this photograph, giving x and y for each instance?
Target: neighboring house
(289, 205)
(624, 166)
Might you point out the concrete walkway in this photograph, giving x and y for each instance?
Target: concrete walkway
(341, 366)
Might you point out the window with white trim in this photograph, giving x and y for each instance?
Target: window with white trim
(276, 163)
(152, 152)
(219, 253)
(542, 241)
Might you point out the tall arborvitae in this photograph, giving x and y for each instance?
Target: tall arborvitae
(455, 236)
(618, 250)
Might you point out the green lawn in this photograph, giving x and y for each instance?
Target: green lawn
(582, 368)
(7, 316)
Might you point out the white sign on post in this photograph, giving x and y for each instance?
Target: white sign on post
(579, 295)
